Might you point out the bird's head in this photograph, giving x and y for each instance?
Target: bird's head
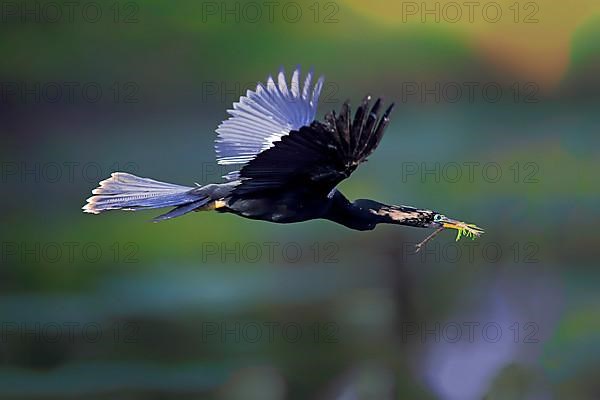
(404, 215)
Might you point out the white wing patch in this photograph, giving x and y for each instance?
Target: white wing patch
(263, 116)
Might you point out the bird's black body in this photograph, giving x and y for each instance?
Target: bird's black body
(303, 205)
(283, 207)
(291, 165)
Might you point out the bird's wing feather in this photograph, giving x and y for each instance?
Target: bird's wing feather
(263, 116)
(318, 156)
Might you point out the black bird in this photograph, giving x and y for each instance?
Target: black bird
(290, 163)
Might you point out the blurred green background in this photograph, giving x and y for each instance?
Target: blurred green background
(497, 123)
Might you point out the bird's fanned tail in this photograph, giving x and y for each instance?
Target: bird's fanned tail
(123, 191)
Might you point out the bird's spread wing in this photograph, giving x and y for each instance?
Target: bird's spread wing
(318, 156)
(263, 116)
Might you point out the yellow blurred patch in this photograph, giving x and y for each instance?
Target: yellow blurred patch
(530, 39)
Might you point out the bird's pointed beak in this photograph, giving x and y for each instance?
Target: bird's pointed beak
(463, 229)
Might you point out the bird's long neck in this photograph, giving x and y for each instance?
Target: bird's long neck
(366, 214)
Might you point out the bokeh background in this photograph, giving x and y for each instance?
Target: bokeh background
(497, 123)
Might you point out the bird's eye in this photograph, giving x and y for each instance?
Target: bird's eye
(438, 217)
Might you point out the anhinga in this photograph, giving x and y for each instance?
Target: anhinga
(290, 163)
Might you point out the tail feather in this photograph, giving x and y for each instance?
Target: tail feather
(122, 182)
(123, 191)
(181, 210)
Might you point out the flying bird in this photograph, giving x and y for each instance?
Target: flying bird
(289, 165)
